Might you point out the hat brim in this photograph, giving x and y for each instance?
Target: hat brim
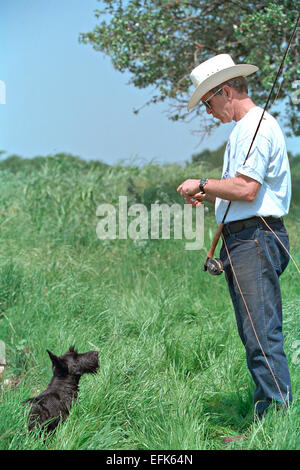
(218, 78)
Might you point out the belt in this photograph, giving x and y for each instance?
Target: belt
(239, 225)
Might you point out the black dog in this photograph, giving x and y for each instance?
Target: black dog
(55, 402)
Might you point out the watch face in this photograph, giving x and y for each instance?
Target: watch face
(202, 183)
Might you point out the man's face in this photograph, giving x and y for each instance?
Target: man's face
(221, 107)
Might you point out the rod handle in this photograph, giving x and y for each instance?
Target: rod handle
(214, 243)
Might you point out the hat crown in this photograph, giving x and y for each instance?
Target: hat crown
(210, 67)
(213, 72)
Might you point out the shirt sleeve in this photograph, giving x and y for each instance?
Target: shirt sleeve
(257, 163)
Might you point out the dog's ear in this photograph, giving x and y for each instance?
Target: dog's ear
(51, 355)
(56, 361)
(73, 350)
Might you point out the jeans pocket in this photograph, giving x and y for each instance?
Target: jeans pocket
(277, 251)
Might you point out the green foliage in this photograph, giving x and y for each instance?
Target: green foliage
(211, 158)
(172, 371)
(160, 42)
(295, 171)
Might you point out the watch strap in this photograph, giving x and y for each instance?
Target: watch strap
(202, 183)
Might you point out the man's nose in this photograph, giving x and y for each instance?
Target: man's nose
(208, 110)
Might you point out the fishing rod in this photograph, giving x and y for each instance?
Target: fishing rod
(214, 265)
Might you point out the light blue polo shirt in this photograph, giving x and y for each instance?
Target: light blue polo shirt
(267, 163)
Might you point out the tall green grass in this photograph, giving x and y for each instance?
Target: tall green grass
(173, 373)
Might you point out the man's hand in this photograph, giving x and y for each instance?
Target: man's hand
(195, 200)
(190, 191)
(188, 188)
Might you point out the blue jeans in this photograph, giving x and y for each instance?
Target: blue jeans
(258, 260)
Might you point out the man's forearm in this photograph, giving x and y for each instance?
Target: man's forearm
(232, 189)
(239, 188)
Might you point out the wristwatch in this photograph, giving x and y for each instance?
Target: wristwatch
(202, 183)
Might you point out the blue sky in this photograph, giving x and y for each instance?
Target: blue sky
(62, 96)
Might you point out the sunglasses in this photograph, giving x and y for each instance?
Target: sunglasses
(206, 102)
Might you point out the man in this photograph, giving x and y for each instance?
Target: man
(255, 243)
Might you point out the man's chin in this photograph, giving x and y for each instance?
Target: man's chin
(225, 119)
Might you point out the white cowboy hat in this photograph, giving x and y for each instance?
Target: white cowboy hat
(213, 72)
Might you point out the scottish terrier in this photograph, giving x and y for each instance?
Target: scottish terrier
(54, 404)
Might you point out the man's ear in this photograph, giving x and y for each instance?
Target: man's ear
(227, 91)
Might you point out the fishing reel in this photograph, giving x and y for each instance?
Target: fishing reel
(214, 266)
